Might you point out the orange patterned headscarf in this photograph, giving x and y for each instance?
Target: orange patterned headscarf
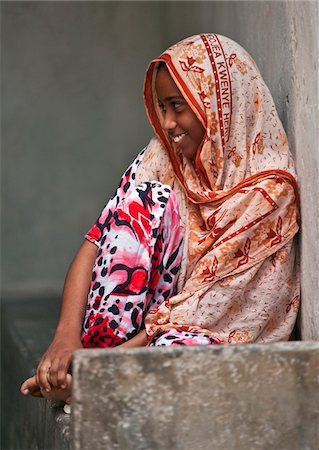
(238, 200)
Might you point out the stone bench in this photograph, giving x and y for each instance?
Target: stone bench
(189, 398)
(198, 398)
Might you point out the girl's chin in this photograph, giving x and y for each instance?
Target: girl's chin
(186, 150)
(189, 153)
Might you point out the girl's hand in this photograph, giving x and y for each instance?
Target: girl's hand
(30, 387)
(55, 363)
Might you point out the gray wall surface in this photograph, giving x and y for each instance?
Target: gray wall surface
(73, 117)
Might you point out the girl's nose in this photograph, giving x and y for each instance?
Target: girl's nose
(169, 122)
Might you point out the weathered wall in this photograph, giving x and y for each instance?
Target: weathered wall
(73, 117)
(303, 133)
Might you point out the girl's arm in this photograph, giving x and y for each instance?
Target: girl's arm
(66, 339)
(58, 356)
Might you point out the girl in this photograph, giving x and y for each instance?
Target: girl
(196, 247)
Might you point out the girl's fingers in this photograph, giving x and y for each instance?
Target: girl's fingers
(30, 387)
(61, 376)
(58, 373)
(53, 373)
(27, 385)
(43, 377)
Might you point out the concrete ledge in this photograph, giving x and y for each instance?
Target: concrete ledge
(28, 423)
(197, 398)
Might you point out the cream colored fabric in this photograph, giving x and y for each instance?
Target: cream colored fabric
(239, 278)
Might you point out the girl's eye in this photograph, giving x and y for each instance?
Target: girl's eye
(161, 106)
(177, 105)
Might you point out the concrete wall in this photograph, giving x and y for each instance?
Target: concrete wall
(73, 117)
(303, 132)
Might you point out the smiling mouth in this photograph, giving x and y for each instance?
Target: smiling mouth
(178, 138)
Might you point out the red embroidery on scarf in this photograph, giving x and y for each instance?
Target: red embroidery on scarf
(210, 271)
(189, 66)
(293, 304)
(277, 234)
(255, 143)
(231, 59)
(213, 220)
(243, 254)
(231, 335)
(231, 152)
(254, 222)
(223, 86)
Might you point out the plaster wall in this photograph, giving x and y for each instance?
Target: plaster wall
(73, 117)
(303, 132)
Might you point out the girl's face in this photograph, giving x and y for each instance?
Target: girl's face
(178, 119)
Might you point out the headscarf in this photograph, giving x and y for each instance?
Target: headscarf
(238, 201)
